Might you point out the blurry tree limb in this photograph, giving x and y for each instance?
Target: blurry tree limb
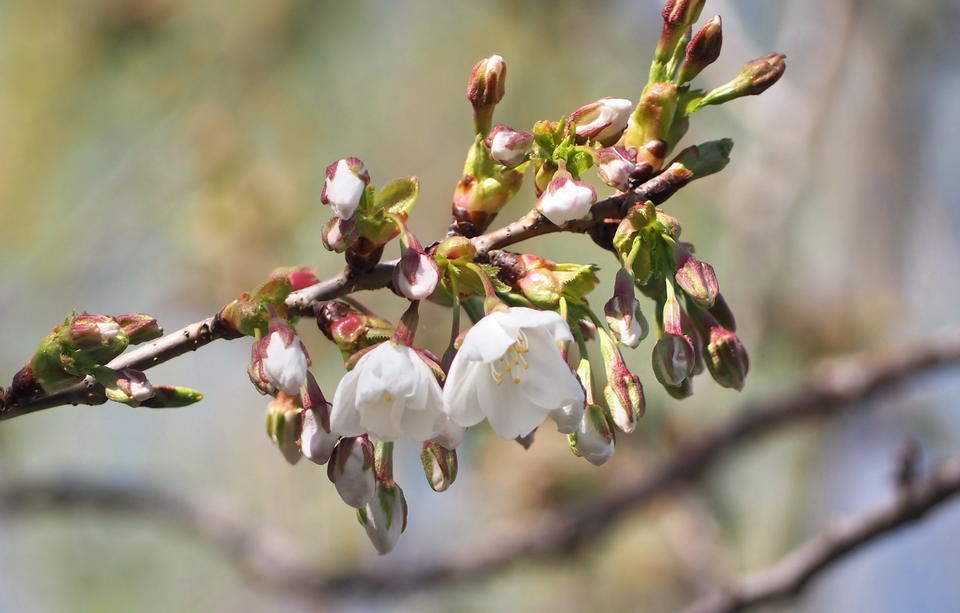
(793, 573)
(831, 390)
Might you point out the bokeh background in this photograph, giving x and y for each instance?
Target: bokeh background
(164, 155)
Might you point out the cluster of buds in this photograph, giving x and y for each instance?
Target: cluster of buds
(84, 345)
(532, 318)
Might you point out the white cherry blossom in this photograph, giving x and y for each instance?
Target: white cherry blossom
(510, 371)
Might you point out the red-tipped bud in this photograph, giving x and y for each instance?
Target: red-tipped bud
(702, 50)
(417, 274)
(623, 392)
(351, 470)
(726, 357)
(508, 146)
(756, 77)
(485, 90)
(682, 13)
(278, 360)
(128, 386)
(346, 181)
(299, 277)
(338, 234)
(139, 327)
(697, 279)
(602, 121)
(351, 328)
(316, 439)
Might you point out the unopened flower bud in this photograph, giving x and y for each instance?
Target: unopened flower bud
(632, 244)
(602, 121)
(350, 327)
(278, 360)
(139, 327)
(702, 50)
(651, 122)
(417, 274)
(99, 337)
(726, 357)
(623, 392)
(756, 77)
(457, 248)
(623, 314)
(127, 386)
(351, 470)
(346, 181)
(615, 166)
(672, 360)
(697, 279)
(594, 439)
(333, 236)
(171, 397)
(316, 439)
(384, 517)
(567, 418)
(678, 17)
(485, 90)
(482, 191)
(721, 311)
(681, 391)
(508, 146)
(565, 199)
(439, 466)
(299, 277)
(283, 426)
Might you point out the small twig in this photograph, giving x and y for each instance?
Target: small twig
(793, 573)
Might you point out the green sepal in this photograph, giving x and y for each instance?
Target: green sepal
(399, 196)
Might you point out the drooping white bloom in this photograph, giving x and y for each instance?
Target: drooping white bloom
(510, 371)
(594, 439)
(346, 180)
(384, 517)
(285, 362)
(603, 120)
(390, 393)
(623, 314)
(565, 199)
(316, 443)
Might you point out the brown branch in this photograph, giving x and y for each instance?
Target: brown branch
(789, 576)
(830, 390)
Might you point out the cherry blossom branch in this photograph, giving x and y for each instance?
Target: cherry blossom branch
(302, 302)
(830, 390)
(788, 577)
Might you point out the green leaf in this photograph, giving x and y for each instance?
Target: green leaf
(399, 196)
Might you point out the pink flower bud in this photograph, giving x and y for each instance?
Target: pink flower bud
(139, 327)
(616, 165)
(756, 77)
(128, 386)
(623, 392)
(703, 50)
(487, 81)
(351, 470)
(697, 279)
(343, 189)
(565, 199)
(338, 234)
(602, 121)
(89, 331)
(727, 358)
(508, 146)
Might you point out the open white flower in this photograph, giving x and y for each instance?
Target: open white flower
(390, 393)
(346, 180)
(510, 371)
(565, 199)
